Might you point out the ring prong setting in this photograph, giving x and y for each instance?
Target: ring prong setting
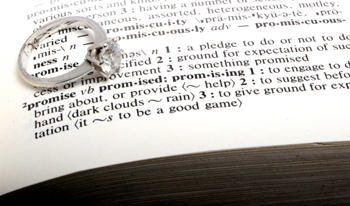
(105, 57)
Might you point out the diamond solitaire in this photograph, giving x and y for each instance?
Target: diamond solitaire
(105, 57)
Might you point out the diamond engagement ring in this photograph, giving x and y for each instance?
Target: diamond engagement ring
(104, 56)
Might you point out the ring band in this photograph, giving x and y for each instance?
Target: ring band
(104, 56)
